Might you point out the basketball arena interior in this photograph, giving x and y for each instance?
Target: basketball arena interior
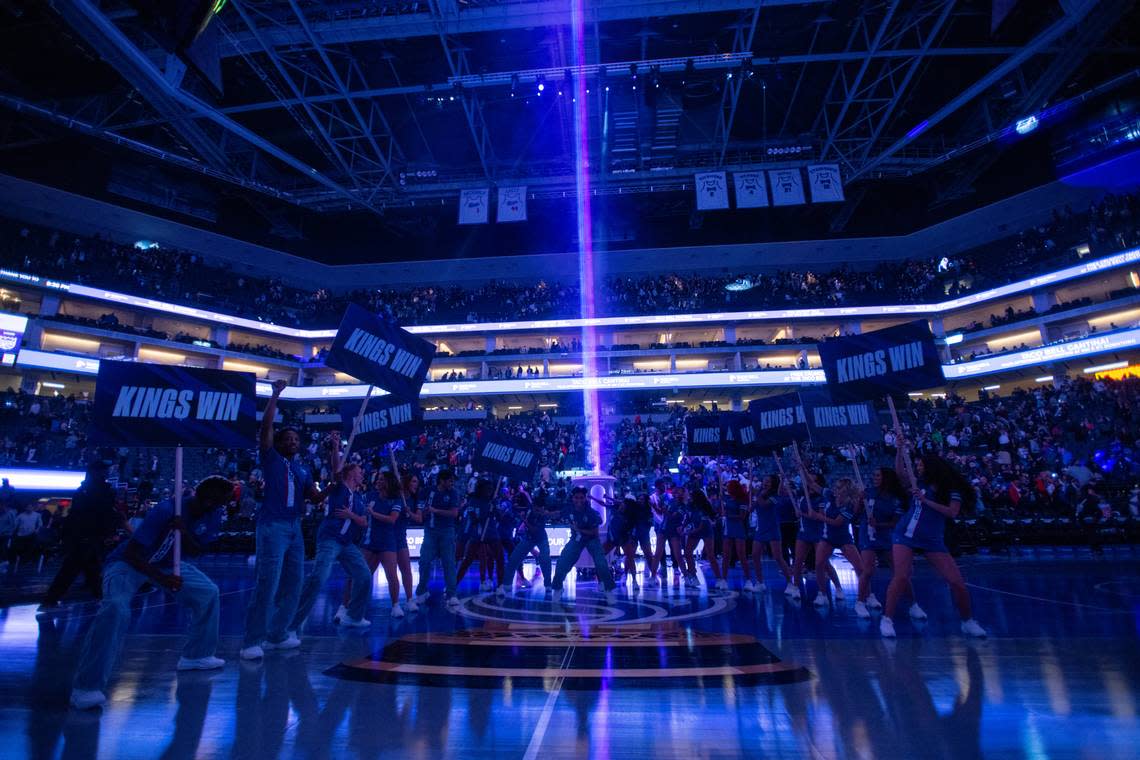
(569, 378)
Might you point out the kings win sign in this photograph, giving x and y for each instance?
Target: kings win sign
(380, 353)
(884, 362)
(159, 405)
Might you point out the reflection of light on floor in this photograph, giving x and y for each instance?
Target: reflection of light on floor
(19, 627)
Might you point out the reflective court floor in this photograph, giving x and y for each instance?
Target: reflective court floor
(661, 674)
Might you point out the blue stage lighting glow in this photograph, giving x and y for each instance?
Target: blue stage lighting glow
(1026, 125)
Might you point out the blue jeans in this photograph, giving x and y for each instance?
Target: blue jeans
(280, 570)
(329, 550)
(104, 640)
(439, 543)
(526, 543)
(569, 558)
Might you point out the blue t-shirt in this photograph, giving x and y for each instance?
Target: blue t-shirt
(811, 530)
(886, 509)
(838, 535)
(286, 484)
(922, 526)
(441, 499)
(584, 519)
(765, 517)
(157, 539)
(380, 533)
(340, 529)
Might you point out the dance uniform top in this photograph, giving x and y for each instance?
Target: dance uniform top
(584, 519)
(922, 527)
(838, 535)
(664, 503)
(508, 520)
(811, 530)
(696, 525)
(765, 518)
(640, 518)
(886, 509)
(382, 535)
(156, 538)
(342, 530)
(618, 528)
(484, 526)
(441, 499)
(286, 483)
(733, 518)
(674, 521)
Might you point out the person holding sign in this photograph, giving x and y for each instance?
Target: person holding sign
(836, 518)
(733, 509)
(765, 528)
(440, 513)
(876, 519)
(936, 491)
(811, 532)
(585, 523)
(280, 547)
(148, 556)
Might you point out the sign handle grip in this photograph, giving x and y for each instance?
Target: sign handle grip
(356, 422)
(900, 443)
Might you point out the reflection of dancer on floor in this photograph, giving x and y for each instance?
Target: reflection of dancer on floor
(764, 522)
(585, 524)
(937, 491)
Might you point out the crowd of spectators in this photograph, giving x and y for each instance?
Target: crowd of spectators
(166, 274)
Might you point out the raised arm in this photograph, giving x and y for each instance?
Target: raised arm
(265, 435)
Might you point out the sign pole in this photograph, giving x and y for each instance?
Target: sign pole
(356, 421)
(178, 508)
(396, 474)
(900, 442)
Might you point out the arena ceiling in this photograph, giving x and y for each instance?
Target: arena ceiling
(335, 128)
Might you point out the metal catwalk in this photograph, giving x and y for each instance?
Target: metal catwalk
(661, 674)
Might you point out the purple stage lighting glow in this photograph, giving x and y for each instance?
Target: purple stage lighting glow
(591, 408)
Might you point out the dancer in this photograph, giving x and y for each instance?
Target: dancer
(384, 513)
(338, 537)
(733, 508)
(440, 513)
(585, 523)
(660, 502)
(532, 536)
(876, 518)
(836, 535)
(484, 537)
(147, 556)
(280, 546)
(510, 524)
(765, 526)
(698, 529)
(936, 491)
(811, 530)
(641, 518)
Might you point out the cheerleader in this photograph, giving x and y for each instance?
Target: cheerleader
(532, 535)
(409, 513)
(764, 524)
(810, 532)
(483, 539)
(379, 540)
(936, 492)
(836, 518)
(660, 502)
(698, 528)
(509, 525)
(733, 513)
(674, 531)
(876, 518)
(641, 521)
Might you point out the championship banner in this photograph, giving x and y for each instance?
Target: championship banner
(825, 182)
(703, 435)
(778, 420)
(751, 189)
(380, 353)
(517, 458)
(712, 191)
(512, 204)
(385, 419)
(474, 206)
(787, 187)
(832, 423)
(160, 405)
(895, 360)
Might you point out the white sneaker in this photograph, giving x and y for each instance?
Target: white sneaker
(971, 628)
(749, 587)
(350, 623)
(838, 594)
(821, 600)
(873, 603)
(887, 628)
(611, 597)
(917, 613)
(452, 602)
(397, 610)
(502, 591)
(341, 614)
(81, 699)
(861, 610)
(252, 653)
(291, 640)
(412, 605)
(792, 591)
(200, 663)
(556, 597)
(423, 596)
